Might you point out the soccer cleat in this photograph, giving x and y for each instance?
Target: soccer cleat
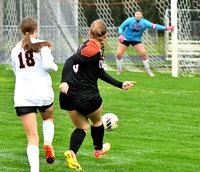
(71, 160)
(100, 153)
(50, 158)
(119, 72)
(150, 74)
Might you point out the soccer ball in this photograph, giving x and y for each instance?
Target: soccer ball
(110, 121)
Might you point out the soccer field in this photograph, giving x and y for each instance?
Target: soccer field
(159, 127)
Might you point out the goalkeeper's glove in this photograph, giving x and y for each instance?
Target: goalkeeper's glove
(121, 38)
(170, 28)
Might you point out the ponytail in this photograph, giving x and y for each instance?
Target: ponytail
(34, 47)
(97, 31)
(28, 26)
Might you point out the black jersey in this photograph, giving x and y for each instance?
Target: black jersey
(82, 70)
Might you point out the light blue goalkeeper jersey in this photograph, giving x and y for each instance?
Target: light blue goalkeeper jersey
(132, 30)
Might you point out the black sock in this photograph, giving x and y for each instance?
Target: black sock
(97, 136)
(76, 139)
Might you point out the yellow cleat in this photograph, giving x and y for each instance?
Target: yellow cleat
(71, 160)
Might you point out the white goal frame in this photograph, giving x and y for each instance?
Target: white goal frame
(180, 47)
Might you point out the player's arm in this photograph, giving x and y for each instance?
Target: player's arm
(66, 73)
(126, 85)
(68, 68)
(157, 26)
(121, 29)
(109, 79)
(124, 25)
(48, 60)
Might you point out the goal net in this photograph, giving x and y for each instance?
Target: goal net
(159, 49)
(64, 22)
(188, 34)
(57, 22)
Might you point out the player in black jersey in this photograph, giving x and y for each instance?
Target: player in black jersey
(80, 94)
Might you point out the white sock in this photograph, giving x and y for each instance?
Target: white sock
(48, 132)
(33, 157)
(146, 64)
(119, 64)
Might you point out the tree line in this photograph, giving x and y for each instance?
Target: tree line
(150, 12)
(118, 14)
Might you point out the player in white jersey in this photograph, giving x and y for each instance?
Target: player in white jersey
(31, 61)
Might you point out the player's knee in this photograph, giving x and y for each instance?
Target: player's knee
(144, 56)
(33, 138)
(119, 56)
(46, 118)
(97, 123)
(86, 129)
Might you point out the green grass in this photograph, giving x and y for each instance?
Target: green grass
(159, 127)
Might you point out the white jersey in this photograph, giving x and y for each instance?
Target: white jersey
(33, 85)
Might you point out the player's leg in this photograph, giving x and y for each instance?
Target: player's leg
(47, 113)
(97, 132)
(140, 48)
(120, 51)
(81, 125)
(30, 126)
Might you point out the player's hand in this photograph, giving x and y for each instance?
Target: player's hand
(128, 84)
(121, 38)
(170, 28)
(64, 87)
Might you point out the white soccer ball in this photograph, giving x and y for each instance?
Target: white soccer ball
(110, 121)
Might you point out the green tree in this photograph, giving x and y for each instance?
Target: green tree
(117, 11)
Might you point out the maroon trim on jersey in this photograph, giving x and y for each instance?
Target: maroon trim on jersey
(139, 26)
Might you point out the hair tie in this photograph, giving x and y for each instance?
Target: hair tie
(27, 33)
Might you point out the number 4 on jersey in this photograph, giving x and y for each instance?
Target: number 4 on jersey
(29, 59)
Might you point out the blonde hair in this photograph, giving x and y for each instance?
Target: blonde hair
(28, 26)
(97, 31)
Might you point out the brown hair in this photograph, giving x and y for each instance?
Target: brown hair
(28, 26)
(138, 10)
(97, 30)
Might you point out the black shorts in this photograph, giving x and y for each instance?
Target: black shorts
(133, 43)
(83, 104)
(31, 109)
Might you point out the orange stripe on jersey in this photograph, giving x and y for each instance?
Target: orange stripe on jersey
(91, 49)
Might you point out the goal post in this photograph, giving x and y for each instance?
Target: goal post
(174, 38)
(183, 46)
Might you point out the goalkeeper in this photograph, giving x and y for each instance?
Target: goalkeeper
(130, 32)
